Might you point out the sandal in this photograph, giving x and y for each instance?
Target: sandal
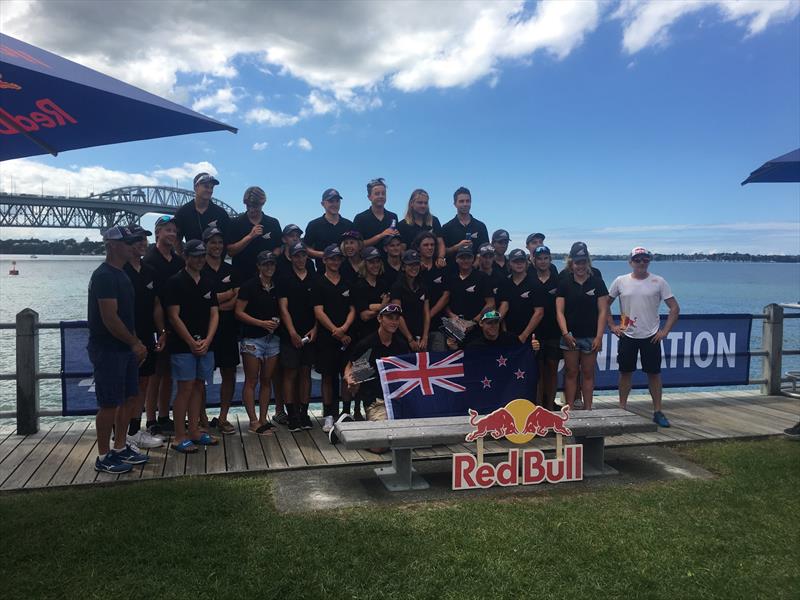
(265, 429)
(185, 447)
(225, 427)
(206, 440)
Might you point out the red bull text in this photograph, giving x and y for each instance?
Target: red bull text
(49, 115)
(529, 467)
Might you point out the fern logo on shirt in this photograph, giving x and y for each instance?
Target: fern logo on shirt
(267, 235)
(422, 298)
(438, 279)
(470, 289)
(207, 295)
(226, 279)
(149, 286)
(525, 294)
(346, 293)
(552, 292)
(212, 223)
(590, 292)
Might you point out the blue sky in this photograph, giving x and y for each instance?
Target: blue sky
(619, 124)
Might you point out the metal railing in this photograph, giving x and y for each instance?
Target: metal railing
(28, 376)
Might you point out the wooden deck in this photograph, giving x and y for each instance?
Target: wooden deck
(63, 454)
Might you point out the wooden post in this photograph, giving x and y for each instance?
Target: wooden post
(772, 343)
(27, 369)
(480, 451)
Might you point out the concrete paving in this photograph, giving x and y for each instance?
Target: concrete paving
(352, 486)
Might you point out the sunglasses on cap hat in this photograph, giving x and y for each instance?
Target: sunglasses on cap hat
(391, 309)
(352, 234)
(491, 315)
(541, 250)
(165, 220)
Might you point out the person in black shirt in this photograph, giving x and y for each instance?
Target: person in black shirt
(546, 286)
(226, 341)
(335, 314)
(581, 310)
(191, 304)
(500, 240)
(351, 246)
(470, 294)
(251, 233)
(387, 341)
(520, 304)
(489, 334)
(578, 248)
(393, 263)
(435, 280)
(149, 319)
(327, 229)
(193, 217)
(291, 235)
(410, 294)
(257, 311)
(419, 219)
(486, 265)
(463, 230)
(295, 302)
(532, 242)
(376, 222)
(115, 352)
(162, 257)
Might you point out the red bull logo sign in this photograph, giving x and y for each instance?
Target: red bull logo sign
(48, 115)
(519, 421)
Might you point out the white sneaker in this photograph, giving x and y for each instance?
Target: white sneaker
(143, 439)
(328, 424)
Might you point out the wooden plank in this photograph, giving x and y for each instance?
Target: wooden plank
(253, 452)
(347, 454)
(72, 464)
(329, 452)
(196, 463)
(763, 410)
(272, 451)
(9, 445)
(53, 462)
(21, 452)
(154, 468)
(234, 451)
(215, 456)
(174, 463)
(291, 451)
(86, 473)
(36, 457)
(372, 457)
(309, 449)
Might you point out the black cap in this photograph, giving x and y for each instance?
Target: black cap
(290, 228)
(517, 254)
(119, 234)
(138, 231)
(210, 232)
(164, 220)
(486, 250)
(331, 251)
(194, 248)
(578, 251)
(265, 256)
(390, 238)
(353, 234)
(254, 195)
(330, 194)
(205, 178)
(533, 236)
(410, 257)
(298, 247)
(500, 235)
(370, 252)
(466, 251)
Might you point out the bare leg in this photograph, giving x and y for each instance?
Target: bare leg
(104, 422)
(122, 418)
(182, 398)
(195, 406)
(264, 391)
(570, 375)
(625, 385)
(226, 390)
(151, 400)
(588, 362)
(252, 366)
(549, 383)
(277, 384)
(654, 384)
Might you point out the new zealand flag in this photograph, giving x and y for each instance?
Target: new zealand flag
(447, 384)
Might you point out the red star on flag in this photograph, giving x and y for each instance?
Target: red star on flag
(501, 362)
(487, 383)
(520, 374)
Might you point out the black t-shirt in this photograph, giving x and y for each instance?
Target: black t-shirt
(224, 279)
(547, 292)
(363, 294)
(145, 289)
(244, 263)
(564, 273)
(369, 226)
(369, 390)
(453, 232)
(262, 304)
(390, 274)
(413, 303)
(504, 269)
(320, 234)
(581, 303)
(334, 298)
(283, 266)
(195, 301)
(348, 272)
(435, 280)
(522, 299)
(476, 339)
(497, 280)
(110, 283)
(408, 233)
(191, 223)
(468, 296)
(298, 293)
(164, 268)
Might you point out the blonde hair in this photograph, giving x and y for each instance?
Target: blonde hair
(569, 263)
(362, 269)
(427, 221)
(358, 252)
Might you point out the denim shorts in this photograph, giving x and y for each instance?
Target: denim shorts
(186, 366)
(584, 344)
(116, 375)
(261, 347)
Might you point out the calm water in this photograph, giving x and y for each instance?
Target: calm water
(55, 287)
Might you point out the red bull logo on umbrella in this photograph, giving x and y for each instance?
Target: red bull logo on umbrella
(519, 421)
(8, 85)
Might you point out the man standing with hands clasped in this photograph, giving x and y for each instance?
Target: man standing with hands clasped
(640, 333)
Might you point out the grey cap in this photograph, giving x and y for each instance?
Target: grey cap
(138, 231)
(330, 194)
(297, 248)
(194, 248)
(579, 251)
(486, 250)
(466, 251)
(331, 251)
(370, 252)
(290, 228)
(118, 234)
(517, 254)
(205, 178)
(210, 232)
(265, 256)
(501, 234)
(254, 195)
(410, 257)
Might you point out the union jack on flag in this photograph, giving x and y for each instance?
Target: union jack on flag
(402, 376)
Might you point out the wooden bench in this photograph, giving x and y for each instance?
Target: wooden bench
(588, 428)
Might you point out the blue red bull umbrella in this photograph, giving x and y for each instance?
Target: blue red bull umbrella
(784, 169)
(49, 104)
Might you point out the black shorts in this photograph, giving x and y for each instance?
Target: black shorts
(226, 350)
(550, 349)
(294, 358)
(148, 367)
(330, 358)
(629, 348)
(116, 375)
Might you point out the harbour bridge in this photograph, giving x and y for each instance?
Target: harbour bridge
(97, 211)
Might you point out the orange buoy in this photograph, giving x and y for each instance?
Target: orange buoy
(13, 270)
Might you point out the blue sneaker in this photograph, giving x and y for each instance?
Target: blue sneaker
(130, 456)
(660, 419)
(111, 463)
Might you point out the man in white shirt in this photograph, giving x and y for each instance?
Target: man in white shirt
(640, 332)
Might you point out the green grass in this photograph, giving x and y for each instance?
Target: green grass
(735, 536)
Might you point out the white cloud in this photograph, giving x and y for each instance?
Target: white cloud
(265, 116)
(222, 101)
(259, 146)
(185, 172)
(301, 143)
(648, 23)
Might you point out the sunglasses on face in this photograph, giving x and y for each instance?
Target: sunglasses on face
(641, 260)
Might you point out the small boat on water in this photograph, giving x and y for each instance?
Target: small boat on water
(13, 270)
(34, 256)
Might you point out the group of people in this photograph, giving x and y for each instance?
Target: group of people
(291, 300)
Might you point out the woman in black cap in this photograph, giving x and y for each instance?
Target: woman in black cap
(257, 310)
(409, 293)
(351, 245)
(581, 310)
